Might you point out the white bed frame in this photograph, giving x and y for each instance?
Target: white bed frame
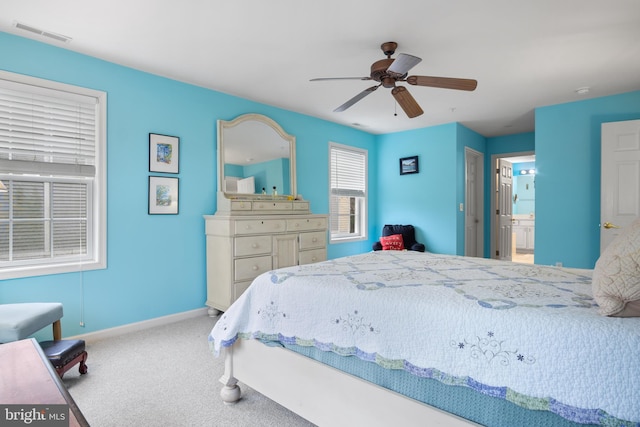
(322, 394)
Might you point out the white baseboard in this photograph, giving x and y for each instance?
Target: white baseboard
(140, 326)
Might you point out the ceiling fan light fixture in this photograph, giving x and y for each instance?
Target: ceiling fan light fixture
(583, 90)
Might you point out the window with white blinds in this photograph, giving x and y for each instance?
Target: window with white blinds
(348, 193)
(52, 160)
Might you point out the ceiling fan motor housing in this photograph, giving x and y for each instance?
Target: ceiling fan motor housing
(379, 72)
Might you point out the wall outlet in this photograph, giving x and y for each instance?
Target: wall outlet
(461, 207)
(558, 264)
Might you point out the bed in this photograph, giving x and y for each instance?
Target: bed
(414, 338)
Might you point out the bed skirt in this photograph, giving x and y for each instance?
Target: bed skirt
(462, 401)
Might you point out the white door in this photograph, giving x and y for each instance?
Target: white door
(504, 215)
(474, 206)
(620, 178)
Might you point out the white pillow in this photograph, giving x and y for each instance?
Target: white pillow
(616, 277)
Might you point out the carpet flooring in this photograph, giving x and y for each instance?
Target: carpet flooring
(165, 376)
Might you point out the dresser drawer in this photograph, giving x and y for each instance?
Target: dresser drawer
(300, 206)
(250, 268)
(239, 288)
(258, 226)
(252, 245)
(240, 206)
(272, 206)
(304, 224)
(313, 255)
(314, 239)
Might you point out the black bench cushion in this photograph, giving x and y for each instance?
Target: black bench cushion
(63, 351)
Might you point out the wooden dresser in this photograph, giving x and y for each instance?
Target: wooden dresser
(246, 238)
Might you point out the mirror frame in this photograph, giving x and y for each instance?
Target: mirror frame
(291, 139)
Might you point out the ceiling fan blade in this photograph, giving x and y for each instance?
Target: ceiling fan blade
(339, 78)
(443, 82)
(406, 101)
(402, 64)
(355, 99)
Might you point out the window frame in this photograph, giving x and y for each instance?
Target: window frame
(361, 207)
(97, 222)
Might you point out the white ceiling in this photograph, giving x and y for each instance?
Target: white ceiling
(524, 54)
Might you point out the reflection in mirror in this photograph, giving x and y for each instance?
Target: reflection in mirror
(255, 154)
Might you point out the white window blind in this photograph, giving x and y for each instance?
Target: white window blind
(45, 131)
(348, 191)
(52, 160)
(347, 172)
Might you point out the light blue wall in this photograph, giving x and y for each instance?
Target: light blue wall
(425, 199)
(430, 199)
(568, 177)
(269, 174)
(524, 187)
(156, 263)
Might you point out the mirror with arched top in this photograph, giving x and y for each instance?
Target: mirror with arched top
(255, 154)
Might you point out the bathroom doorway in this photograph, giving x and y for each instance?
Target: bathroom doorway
(523, 208)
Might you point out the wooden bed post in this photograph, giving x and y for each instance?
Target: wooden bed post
(230, 393)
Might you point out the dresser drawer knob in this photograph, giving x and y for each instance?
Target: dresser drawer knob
(315, 239)
(313, 258)
(255, 268)
(254, 245)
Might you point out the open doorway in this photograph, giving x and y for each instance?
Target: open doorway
(522, 209)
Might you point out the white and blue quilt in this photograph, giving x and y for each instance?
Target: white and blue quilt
(525, 333)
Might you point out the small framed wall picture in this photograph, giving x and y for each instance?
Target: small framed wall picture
(409, 165)
(164, 153)
(163, 195)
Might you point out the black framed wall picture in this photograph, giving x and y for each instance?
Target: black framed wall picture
(163, 195)
(164, 153)
(409, 165)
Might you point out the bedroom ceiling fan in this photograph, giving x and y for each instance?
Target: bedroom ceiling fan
(391, 71)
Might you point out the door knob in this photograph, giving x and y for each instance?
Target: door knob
(608, 225)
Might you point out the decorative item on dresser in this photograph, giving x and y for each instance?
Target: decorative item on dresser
(253, 233)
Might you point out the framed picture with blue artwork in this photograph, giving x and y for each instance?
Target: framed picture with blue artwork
(163, 195)
(164, 153)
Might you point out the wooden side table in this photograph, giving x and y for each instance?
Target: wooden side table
(27, 377)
